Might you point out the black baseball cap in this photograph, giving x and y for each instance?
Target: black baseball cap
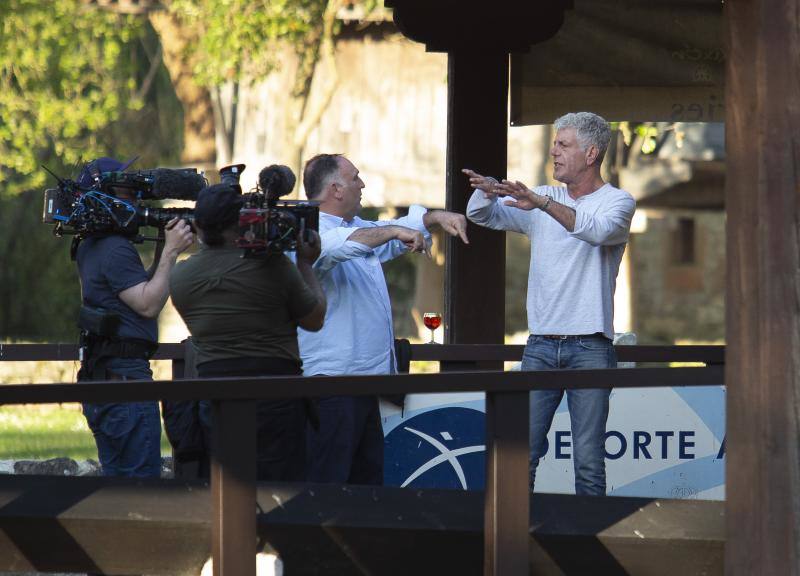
(217, 207)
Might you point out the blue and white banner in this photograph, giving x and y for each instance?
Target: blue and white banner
(660, 442)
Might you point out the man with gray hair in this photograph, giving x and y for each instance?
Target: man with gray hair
(578, 234)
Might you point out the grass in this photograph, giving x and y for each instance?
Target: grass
(42, 431)
(39, 432)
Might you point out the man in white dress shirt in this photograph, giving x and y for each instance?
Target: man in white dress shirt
(357, 337)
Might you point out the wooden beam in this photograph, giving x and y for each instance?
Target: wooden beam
(103, 525)
(233, 488)
(763, 310)
(449, 352)
(478, 41)
(507, 504)
(476, 138)
(125, 526)
(245, 388)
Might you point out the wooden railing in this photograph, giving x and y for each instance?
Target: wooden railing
(233, 479)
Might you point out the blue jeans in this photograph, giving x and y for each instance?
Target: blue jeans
(588, 408)
(128, 436)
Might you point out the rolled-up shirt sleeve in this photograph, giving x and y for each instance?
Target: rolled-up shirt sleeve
(609, 228)
(413, 220)
(336, 247)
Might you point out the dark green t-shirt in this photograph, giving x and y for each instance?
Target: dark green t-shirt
(239, 307)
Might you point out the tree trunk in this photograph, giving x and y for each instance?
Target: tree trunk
(199, 142)
(304, 112)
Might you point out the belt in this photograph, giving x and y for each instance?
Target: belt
(571, 336)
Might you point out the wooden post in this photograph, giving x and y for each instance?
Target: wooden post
(507, 504)
(477, 133)
(478, 40)
(475, 294)
(233, 488)
(763, 288)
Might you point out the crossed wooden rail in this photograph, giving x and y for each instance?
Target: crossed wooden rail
(233, 477)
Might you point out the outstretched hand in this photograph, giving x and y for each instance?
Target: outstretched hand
(524, 198)
(487, 184)
(453, 223)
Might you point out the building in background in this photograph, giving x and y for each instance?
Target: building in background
(389, 114)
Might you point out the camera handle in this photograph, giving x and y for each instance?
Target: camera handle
(160, 240)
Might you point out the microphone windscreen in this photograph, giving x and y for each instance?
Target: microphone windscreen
(177, 184)
(276, 180)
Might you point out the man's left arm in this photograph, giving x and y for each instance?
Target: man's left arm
(422, 220)
(148, 298)
(606, 227)
(526, 199)
(394, 248)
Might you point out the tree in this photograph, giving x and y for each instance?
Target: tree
(244, 40)
(179, 37)
(75, 83)
(210, 43)
(66, 74)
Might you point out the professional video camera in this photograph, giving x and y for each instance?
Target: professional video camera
(104, 202)
(268, 225)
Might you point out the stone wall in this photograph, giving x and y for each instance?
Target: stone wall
(679, 278)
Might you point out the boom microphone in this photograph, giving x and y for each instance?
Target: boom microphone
(158, 183)
(276, 181)
(177, 184)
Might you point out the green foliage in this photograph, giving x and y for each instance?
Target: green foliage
(240, 37)
(649, 135)
(39, 291)
(67, 72)
(72, 87)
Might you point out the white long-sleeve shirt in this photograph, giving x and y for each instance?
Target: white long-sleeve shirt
(357, 336)
(572, 275)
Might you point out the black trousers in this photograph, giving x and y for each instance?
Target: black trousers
(348, 446)
(280, 424)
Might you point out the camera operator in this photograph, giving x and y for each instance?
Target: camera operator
(117, 290)
(243, 315)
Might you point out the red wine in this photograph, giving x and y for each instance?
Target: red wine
(432, 322)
